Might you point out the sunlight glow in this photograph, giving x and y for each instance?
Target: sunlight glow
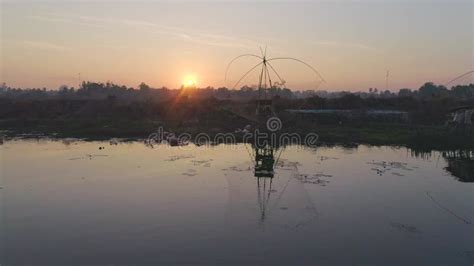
(189, 82)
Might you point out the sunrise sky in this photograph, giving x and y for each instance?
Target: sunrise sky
(352, 44)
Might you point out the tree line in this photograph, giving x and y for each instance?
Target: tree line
(143, 92)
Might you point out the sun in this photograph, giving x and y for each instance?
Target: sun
(189, 82)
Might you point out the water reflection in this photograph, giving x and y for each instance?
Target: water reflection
(130, 204)
(289, 212)
(264, 171)
(264, 190)
(460, 164)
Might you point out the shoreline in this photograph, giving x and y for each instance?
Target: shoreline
(377, 134)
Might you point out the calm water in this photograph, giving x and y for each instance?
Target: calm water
(73, 203)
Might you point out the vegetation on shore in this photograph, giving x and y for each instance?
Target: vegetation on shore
(102, 111)
(423, 136)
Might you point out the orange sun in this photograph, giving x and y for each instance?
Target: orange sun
(189, 82)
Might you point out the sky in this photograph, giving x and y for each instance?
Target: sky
(164, 43)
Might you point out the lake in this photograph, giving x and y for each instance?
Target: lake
(75, 202)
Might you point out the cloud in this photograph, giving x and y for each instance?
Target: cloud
(349, 45)
(45, 45)
(209, 39)
(183, 34)
(65, 19)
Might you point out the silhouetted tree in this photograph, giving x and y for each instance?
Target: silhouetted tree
(430, 90)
